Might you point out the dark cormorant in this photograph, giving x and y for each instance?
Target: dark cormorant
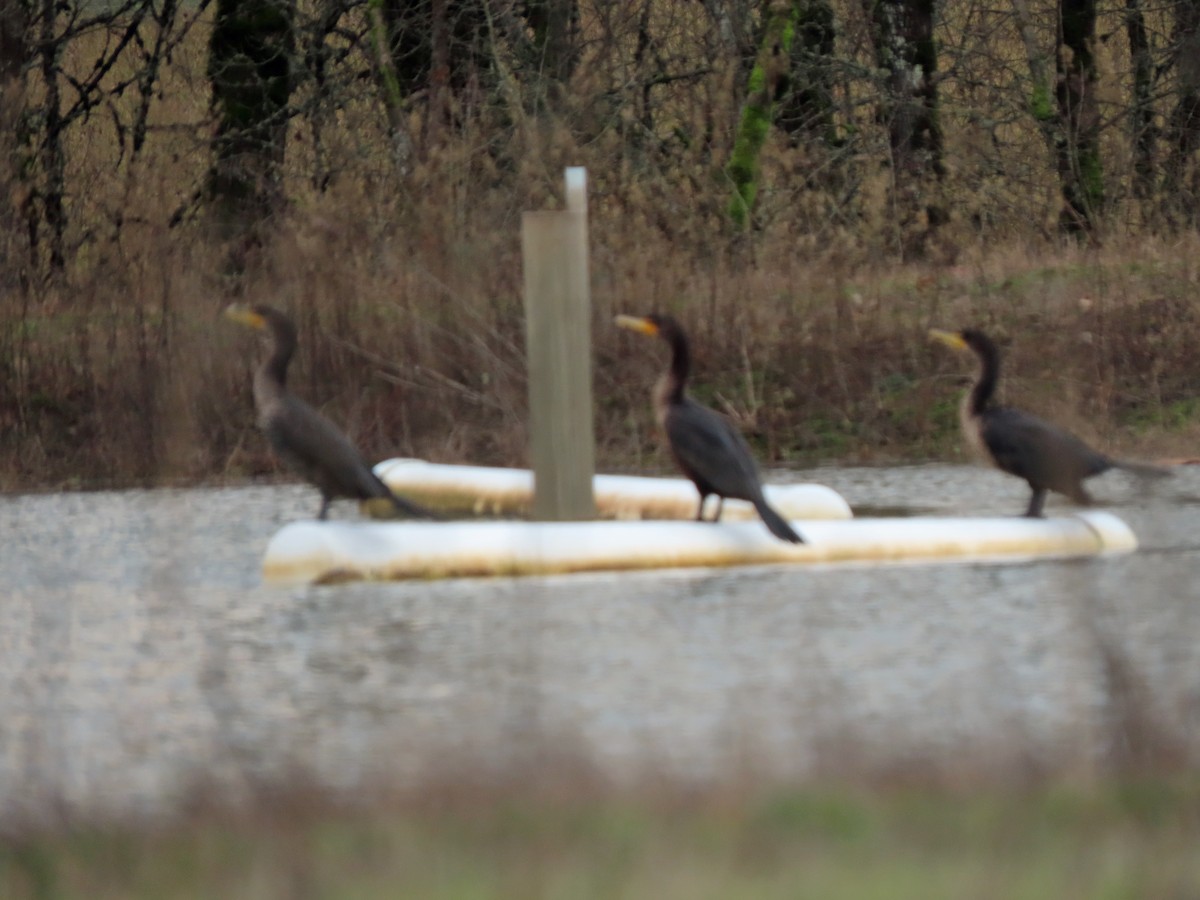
(1044, 455)
(706, 445)
(305, 440)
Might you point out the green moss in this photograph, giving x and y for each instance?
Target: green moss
(1041, 104)
(1091, 177)
(758, 115)
(379, 46)
(742, 169)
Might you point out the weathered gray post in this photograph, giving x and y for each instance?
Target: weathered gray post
(558, 346)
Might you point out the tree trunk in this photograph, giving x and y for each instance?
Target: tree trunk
(15, 189)
(1182, 182)
(1144, 132)
(437, 46)
(1078, 144)
(395, 102)
(318, 60)
(806, 110)
(250, 55)
(542, 39)
(15, 55)
(555, 27)
(758, 112)
(906, 51)
(52, 157)
(732, 19)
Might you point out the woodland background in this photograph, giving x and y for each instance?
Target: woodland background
(809, 185)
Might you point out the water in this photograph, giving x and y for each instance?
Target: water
(142, 660)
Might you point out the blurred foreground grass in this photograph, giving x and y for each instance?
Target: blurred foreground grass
(1136, 839)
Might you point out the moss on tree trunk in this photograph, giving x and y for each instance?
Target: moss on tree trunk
(758, 112)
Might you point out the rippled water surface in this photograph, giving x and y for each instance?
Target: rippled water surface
(140, 655)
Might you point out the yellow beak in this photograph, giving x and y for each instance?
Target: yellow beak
(244, 315)
(949, 338)
(634, 323)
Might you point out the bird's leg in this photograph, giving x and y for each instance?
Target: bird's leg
(700, 508)
(720, 507)
(324, 507)
(1035, 503)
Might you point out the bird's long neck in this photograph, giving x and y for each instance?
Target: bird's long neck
(985, 386)
(674, 380)
(271, 378)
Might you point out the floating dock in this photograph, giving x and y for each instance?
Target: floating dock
(323, 552)
(488, 491)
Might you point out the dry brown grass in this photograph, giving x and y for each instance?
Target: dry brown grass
(130, 375)
(407, 289)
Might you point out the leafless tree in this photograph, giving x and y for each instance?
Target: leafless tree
(251, 57)
(46, 99)
(907, 54)
(1182, 188)
(1078, 154)
(16, 54)
(1142, 120)
(807, 108)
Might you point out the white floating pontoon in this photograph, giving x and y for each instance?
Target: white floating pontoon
(483, 490)
(307, 552)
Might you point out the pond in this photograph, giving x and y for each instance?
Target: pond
(143, 660)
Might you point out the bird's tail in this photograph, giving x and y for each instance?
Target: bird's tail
(1141, 469)
(391, 506)
(413, 510)
(776, 523)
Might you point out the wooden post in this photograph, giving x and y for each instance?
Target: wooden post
(559, 352)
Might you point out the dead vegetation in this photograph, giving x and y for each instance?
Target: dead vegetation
(129, 376)
(404, 277)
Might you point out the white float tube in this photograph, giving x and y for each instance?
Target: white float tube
(305, 552)
(484, 490)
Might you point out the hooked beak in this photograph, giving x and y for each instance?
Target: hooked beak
(244, 315)
(640, 325)
(951, 339)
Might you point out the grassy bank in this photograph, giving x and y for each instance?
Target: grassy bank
(405, 279)
(1128, 839)
(422, 354)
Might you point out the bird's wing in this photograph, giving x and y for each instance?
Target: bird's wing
(710, 449)
(1036, 450)
(320, 452)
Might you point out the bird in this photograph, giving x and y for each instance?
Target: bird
(305, 440)
(705, 445)
(1047, 457)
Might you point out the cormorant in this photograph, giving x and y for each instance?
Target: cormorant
(304, 439)
(1045, 456)
(705, 445)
